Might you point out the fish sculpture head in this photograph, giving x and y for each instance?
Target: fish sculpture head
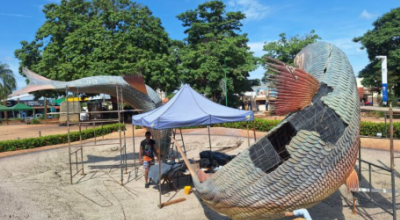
(306, 157)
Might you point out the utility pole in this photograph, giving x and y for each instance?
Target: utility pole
(384, 79)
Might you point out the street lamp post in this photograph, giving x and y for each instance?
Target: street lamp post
(384, 79)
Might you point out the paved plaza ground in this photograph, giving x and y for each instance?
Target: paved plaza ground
(34, 184)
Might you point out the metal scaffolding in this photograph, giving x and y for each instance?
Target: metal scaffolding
(391, 170)
(73, 153)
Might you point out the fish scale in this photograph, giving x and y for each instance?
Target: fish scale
(321, 153)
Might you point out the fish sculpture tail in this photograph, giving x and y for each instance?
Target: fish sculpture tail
(36, 83)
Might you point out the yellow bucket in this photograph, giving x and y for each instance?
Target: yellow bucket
(187, 190)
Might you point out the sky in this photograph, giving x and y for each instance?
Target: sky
(335, 21)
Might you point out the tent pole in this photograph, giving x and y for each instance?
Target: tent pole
(209, 140)
(183, 143)
(248, 135)
(159, 167)
(176, 148)
(254, 129)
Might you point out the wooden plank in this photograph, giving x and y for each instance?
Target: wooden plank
(172, 202)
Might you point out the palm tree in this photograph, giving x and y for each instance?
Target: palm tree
(7, 81)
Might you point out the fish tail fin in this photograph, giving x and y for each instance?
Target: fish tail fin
(198, 177)
(352, 182)
(36, 82)
(295, 87)
(136, 82)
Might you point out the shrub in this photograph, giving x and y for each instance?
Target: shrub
(367, 128)
(28, 143)
(35, 121)
(261, 125)
(372, 128)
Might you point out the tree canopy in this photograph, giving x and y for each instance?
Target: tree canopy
(285, 49)
(7, 81)
(214, 45)
(81, 38)
(383, 39)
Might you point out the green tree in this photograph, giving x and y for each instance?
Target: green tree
(7, 81)
(214, 45)
(82, 38)
(383, 39)
(286, 49)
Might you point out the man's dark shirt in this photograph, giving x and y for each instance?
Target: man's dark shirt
(148, 149)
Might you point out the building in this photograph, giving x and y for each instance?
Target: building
(368, 96)
(258, 99)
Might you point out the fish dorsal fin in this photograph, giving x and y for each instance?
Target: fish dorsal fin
(352, 181)
(136, 82)
(295, 87)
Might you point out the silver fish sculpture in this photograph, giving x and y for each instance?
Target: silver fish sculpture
(305, 158)
(134, 92)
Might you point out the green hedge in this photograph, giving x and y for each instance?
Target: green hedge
(35, 121)
(367, 128)
(371, 128)
(27, 143)
(261, 125)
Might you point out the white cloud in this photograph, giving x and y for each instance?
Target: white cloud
(366, 15)
(253, 9)
(257, 48)
(14, 15)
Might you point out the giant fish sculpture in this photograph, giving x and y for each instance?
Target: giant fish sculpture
(134, 92)
(305, 158)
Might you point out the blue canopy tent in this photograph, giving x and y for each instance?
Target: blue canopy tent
(189, 108)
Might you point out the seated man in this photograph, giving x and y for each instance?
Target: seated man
(147, 150)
